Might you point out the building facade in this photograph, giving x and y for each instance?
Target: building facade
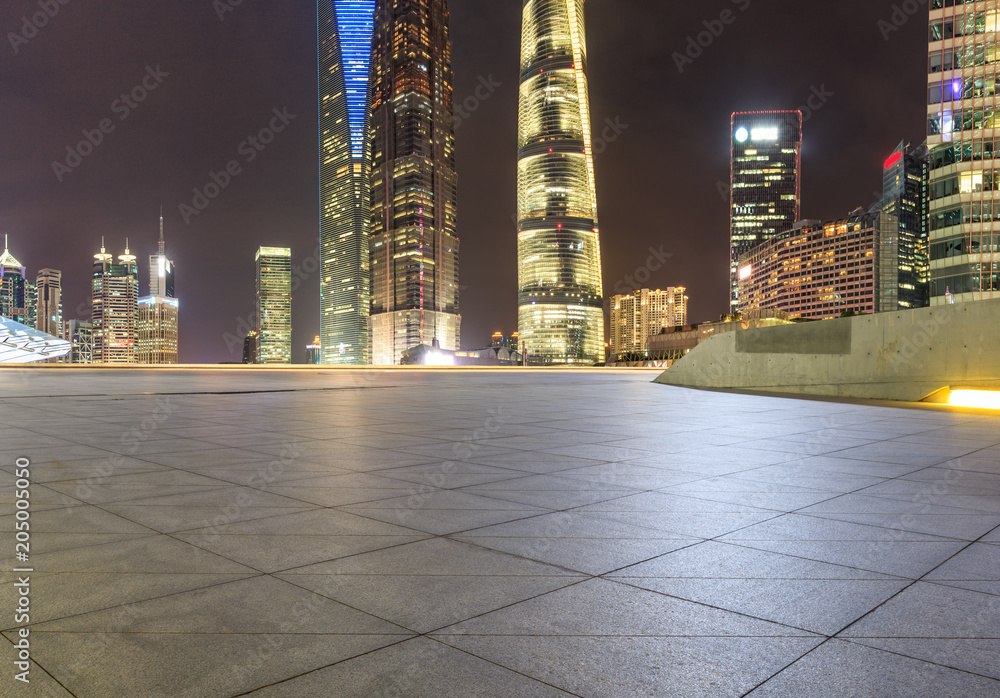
(560, 289)
(820, 270)
(314, 352)
(114, 308)
(904, 195)
(962, 129)
(765, 185)
(158, 330)
(414, 188)
(345, 44)
(637, 316)
(49, 317)
(81, 334)
(274, 306)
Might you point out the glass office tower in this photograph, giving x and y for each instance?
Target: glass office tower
(414, 194)
(962, 134)
(904, 194)
(274, 306)
(17, 294)
(765, 182)
(49, 302)
(161, 270)
(560, 294)
(345, 34)
(114, 308)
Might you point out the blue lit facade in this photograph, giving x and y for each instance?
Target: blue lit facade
(344, 46)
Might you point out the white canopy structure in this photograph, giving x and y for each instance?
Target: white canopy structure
(22, 344)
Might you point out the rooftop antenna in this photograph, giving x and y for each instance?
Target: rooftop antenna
(102, 245)
(162, 246)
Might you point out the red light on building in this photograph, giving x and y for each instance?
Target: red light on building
(893, 159)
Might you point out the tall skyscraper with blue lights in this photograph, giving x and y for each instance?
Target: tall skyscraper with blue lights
(344, 41)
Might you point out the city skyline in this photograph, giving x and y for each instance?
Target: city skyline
(630, 134)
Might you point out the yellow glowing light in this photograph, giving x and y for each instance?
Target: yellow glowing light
(983, 399)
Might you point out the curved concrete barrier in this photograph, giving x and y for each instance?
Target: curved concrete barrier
(906, 355)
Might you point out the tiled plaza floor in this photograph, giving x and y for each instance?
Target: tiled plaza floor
(332, 533)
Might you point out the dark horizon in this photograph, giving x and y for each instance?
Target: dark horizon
(661, 113)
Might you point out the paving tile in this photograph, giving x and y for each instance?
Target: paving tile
(40, 681)
(292, 540)
(430, 584)
(415, 667)
(577, 541)
(814, 596)
(846, 669)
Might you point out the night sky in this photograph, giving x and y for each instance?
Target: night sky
(658, 179)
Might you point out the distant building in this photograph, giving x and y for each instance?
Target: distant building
(765, 183)
(81, 334)
(49, 302)
(637, 316)
(820, 270)
(17, 294)
(274, 306)
(904, 194)
(424, 355)
(314, 352)
(499, 340)
(114, 308)
(673, 344)
(250, 348)
(158, 330)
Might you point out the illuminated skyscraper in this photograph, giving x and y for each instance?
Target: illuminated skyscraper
(345, 34)
(414, 196)
(904, 194)
(81, 334)
(114, 308)
(560, 301)
(17, 294)
(161, 270)
(765, 183)
(49, 302)
(157, 330)
(963, 134)
(274, 306)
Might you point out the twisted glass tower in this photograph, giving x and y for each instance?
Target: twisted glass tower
(345, 33)
(560, 304)
(414, 188)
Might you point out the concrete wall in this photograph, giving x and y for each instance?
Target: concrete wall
(903, 355)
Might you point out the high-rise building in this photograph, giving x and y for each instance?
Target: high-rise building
(637, 316)
(765, 181)
(314, 351)
(820, 270)
(904, 195)
(963, 135)
(345, 44)
(17, 294)
(114, 308)
(158, 330)
(274, 306)
(560, 301)
(81, 334)
(250, 348)
(414, 188)
(161, 270)
(49, 302)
